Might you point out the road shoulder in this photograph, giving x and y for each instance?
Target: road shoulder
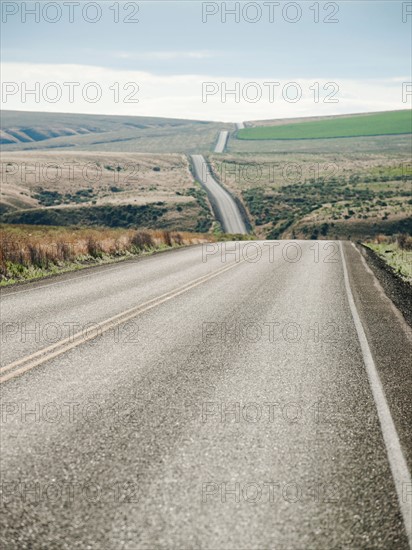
(390, 341)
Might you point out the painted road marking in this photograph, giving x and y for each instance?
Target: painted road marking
(397, 462)
(50, 352)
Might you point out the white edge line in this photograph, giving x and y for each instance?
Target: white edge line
(401, 319)
(397, 462)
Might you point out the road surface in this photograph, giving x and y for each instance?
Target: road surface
(235, 408)
(226, 209)
(222, 141)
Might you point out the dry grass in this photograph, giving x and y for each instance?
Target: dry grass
(107, 178)
(56, 187)
(368, 145)
(396, 251)
(28, 252)
(300, 195)
(244, 171)
(402, 240)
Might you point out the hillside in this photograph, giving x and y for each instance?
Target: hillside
(125, 172)
(107, 189)
(23, 131)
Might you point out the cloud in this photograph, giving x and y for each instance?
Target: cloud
(165, 55)
(98, 90)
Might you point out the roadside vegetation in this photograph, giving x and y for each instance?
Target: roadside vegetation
(396, 251)
(326, 196)
(205, 218)
(31, 252)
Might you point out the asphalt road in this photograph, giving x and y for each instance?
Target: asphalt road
(258, 397)
(223, 203)
(221, 142)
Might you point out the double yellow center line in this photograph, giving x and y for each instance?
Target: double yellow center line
(37, 358)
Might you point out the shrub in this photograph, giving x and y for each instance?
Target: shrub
(404, 241)
(93, 247)
(167, 238)
(141, 240)
(178, 239)
(324, 229)
(64, 251)
(37, 256)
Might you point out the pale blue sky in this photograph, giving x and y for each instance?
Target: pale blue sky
(370, 41)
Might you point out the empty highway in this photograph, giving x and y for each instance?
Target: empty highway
(224, 205)
(218, 397)
(222, 141)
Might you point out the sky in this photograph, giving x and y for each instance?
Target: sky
(183, 59)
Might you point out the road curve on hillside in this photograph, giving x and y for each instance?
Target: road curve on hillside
(221, 141)
(237, 407)
(227, 211)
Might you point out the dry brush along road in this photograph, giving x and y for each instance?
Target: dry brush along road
(242, 395)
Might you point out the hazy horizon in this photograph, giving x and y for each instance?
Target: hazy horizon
(192, 119)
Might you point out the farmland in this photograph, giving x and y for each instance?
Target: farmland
(349, 145)
(377, 124)
(346, 176)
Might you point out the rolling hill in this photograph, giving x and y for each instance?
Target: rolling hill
(23, 131)
(313, 181)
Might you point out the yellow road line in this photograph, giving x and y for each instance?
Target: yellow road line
(39, 357)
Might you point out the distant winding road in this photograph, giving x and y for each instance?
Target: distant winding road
(222, 141)
(227, 211)
(225, 207)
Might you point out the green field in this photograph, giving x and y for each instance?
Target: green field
(388, 123)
